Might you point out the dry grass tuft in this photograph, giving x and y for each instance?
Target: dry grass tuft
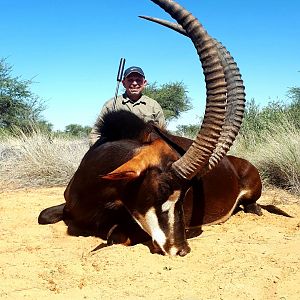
(276, 154)
(38, 160)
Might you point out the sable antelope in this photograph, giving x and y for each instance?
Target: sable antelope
(138, 176)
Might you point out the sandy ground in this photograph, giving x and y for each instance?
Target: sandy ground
(248, 257)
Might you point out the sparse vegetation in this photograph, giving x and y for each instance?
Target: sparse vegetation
(270, 139)
(275, 152)
(38, 159)
(43, 159)
(32, 155)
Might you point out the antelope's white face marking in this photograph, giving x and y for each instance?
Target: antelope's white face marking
(169, 208)
(173, 251)
(151, 224)
(167, 205)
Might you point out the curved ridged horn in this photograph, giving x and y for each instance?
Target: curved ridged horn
(235, 97)
(197, 156)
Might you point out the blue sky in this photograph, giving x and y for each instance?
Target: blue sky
(72, 49)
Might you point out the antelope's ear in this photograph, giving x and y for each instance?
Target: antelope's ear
(149, 155)
(125, 175)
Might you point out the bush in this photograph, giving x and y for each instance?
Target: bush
(38, 159)
(274, 150)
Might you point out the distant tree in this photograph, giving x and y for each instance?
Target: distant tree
(45, 126)
(294, 94)
(77, 130)
(19, 107)
(189, 131)
(294, 107)
(171, 96)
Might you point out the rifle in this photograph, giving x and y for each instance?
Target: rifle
(119, 79)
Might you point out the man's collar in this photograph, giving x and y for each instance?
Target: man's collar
(126, 99)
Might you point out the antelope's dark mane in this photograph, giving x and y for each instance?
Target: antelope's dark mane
(123, 124)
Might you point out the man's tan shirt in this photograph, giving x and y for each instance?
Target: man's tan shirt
(146, 108)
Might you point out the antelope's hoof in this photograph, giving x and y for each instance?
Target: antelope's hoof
(253, 208)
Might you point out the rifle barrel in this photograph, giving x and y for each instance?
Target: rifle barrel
(119, 79)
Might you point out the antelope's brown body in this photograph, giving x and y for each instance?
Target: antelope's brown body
(118, 178)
